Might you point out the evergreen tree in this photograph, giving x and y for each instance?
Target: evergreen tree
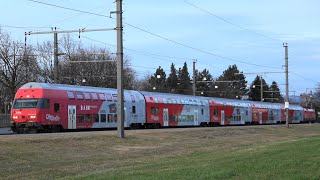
(233, 89)
(172, 81)
(158, 80)
(203, 87)
(255, 90)
(184, 86)
(275, 93)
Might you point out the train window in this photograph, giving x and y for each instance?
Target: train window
(102, 97)
(25, 103)
(164, 100)
(202, 111)
(87, 95)
(95, 117)
(174, 101)
(46, 103)
(109, 97)
(110, 118)
(103, 118)
(154, 110)
(56, 107)
(70, 94)
(133, 99)
(80, 118)
(182, 101)
(156, 100)
(215, 112)
(115, 118)
(133, 109)
(195, 102)
(43, 103)
(115, 97)
(94, 96)
(79, 95)
(112, 108)
(88, 118)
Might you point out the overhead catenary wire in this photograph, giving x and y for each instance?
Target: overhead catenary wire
(229, 22)
(159, 36)
(96, 14)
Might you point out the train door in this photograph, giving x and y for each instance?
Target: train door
(260, 117)
(72, 117)
(165, 117)
(222, 117)
(242, 117)
(196, 117)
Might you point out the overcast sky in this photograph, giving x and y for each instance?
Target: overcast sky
(205, 36)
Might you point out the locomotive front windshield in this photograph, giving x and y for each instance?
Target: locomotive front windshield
(30, 103)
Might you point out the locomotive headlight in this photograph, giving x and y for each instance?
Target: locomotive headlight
(15, 117)
(32, 117)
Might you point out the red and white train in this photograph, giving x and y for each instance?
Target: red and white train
(47, 107)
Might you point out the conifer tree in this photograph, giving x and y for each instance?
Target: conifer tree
(172, 81)
(184, 85)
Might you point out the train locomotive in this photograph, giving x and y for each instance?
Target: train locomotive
(44, 107)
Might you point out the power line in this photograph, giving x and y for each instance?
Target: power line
(200, 50)
(229, 22)
(159, 36)
(71, 9)
(303, 77)
(24, 27)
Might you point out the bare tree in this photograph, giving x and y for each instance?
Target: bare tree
(18, 65)
(97, 66)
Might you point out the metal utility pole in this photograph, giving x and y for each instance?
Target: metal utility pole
(285, 45)
(56, 63)
(194, 77)
(120, 109)
(261, 89)
(55, 42)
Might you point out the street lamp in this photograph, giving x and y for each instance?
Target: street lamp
(158, 79)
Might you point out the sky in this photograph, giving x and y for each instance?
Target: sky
(216, 33)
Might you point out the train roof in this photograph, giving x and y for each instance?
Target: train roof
(68, 87)
(222, 101)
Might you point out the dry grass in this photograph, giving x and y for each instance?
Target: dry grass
(65, 155)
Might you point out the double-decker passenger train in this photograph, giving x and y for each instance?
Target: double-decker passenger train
(43, 107)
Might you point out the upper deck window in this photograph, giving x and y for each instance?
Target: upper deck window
(79, 95)
(94, 96)
(87, 95)
(133, 98)
(156, 100)
(70, 94)
(115, 97)
(109, 97)
(102, 97)
(164, 100)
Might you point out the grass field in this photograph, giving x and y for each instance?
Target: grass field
(249, 152)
